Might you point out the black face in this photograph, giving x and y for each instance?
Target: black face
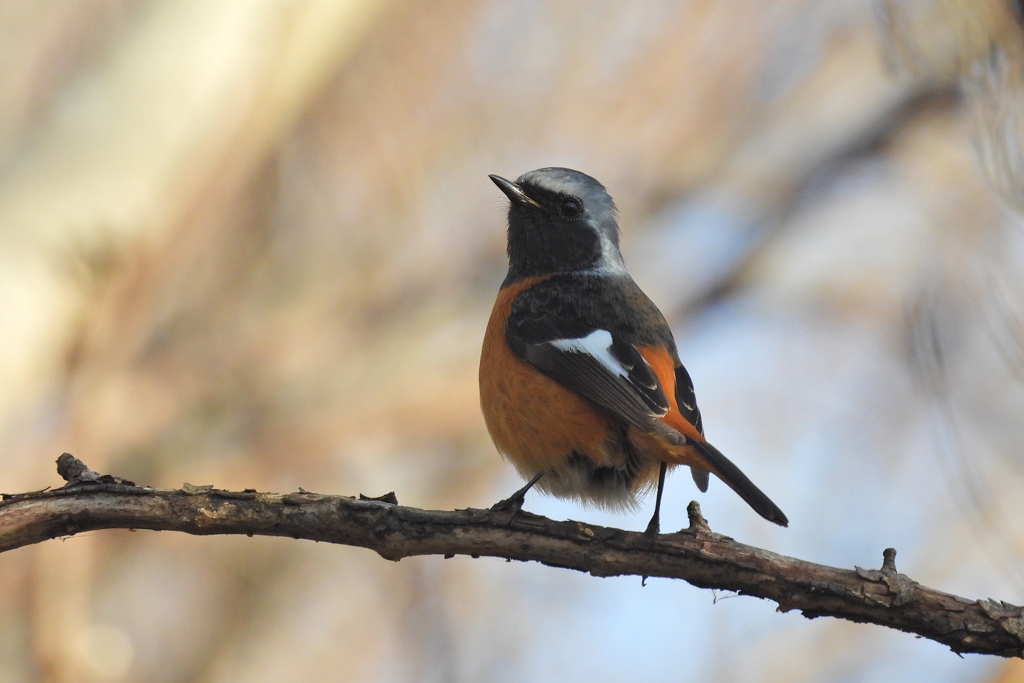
(548, 234)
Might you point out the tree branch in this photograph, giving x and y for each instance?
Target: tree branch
(697, 555)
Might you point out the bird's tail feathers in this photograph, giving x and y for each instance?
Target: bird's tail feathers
(738, 482)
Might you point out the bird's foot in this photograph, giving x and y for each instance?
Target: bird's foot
(514, 503)
(653, 528)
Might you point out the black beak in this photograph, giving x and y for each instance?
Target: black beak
(512, 191)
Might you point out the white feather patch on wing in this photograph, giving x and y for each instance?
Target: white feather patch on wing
(597, 345)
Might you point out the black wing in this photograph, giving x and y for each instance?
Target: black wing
(686, 399)
(595, 363)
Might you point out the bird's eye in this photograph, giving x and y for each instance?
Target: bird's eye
(570, 208)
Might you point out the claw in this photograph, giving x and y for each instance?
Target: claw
(514, 503)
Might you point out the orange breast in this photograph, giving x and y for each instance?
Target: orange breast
(534, 421)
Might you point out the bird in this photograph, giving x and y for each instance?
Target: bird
(581, 386)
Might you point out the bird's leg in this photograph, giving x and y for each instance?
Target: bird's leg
(654, 526)
(514, 503)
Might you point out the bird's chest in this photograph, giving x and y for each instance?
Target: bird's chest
(534, 421)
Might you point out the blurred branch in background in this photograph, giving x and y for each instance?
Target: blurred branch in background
(964, 322)
(697, 555)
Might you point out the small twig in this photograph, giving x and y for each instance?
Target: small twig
(889, 561)
(696, 554)
(77, 473)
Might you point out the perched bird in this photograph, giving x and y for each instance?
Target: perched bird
(580, 382)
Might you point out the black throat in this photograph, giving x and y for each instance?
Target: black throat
(540, 244)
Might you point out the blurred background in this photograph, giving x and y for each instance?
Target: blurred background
(252, 243)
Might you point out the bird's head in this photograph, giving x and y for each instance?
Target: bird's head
(560, 220)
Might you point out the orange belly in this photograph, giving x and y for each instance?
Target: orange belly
(540, 426)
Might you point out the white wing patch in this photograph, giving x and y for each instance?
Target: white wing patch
(597, 345)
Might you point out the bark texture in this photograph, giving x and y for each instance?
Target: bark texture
(697, 555)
